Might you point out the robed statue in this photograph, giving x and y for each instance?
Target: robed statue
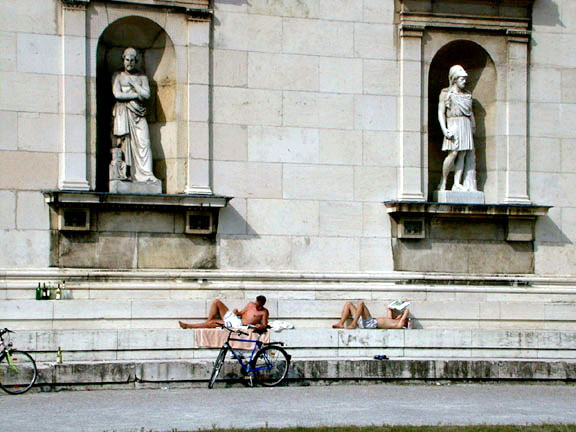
(131, 143)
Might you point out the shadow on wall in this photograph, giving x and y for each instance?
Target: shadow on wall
(157, 60)
(482, 83)
(546, 13)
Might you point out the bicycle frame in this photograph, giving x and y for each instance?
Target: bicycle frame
(239, 357)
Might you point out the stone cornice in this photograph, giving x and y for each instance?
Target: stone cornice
(467, 210)
(194, 9)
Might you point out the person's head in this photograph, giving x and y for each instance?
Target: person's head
(457, 76)
(260, 301)
(129, 58)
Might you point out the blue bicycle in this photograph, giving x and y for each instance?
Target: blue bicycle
(268, 363)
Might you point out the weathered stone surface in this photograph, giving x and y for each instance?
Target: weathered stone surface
(176, 251)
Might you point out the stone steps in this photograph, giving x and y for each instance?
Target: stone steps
(164, 344)
(182, 373)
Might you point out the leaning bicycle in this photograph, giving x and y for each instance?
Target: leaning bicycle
(18, 371)
(268, 363)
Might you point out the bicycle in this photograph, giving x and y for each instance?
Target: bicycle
(268, 363)
(18, 371)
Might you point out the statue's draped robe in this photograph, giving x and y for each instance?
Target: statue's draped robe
(130, 124)
(459, 121)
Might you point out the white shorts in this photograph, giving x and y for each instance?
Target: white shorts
(368, 323)
(232, 320)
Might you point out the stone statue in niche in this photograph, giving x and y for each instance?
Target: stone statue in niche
(456, 119)
(131, 166)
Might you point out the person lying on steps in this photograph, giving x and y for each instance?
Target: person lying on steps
(254, 313)
(361, 318)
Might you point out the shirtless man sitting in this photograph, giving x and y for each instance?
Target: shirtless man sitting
(254, 313)
(361, 318)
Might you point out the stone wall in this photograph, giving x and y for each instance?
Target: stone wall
(305, 112)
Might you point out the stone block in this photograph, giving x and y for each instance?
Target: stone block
(377, 11)
(281, 217)
(7, 210)
(292, 145)
(247, 106)
(230, 68)
(438, 339)
(154, 309)
(381, 77)
(374, 183)
(8, 46)
(282, 71)
(545, 84)
(310, 338)
(342, 219)
(28, 15)
(341, 10)
(376, 255)
(568, 85)
(375, 220)
(318, 182)
(340, 147)
(459, 197)
(176, 251)
(22, 249)
(100, 250)
(32, 211)
(74, 86)
(19, 95)
(381, 148)
(249, 252)
(232, 218)
(39, 132)
(230, 142)
(376, 113)
(340, 75)
(199, 110)
(242, 180)
(129, 187)
(568, 162)
(313, 37)
(289, 8)
(9, 124)
(459, 229)
(249, 32)
(545, 154)
(26, 309)
(39, 53)
(374, 41)
(544, 120)
(309, 254)
(318, 110)
(91, 310)
(119, 221)
(77, 340)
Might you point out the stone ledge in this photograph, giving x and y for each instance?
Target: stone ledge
(57, 199)
(135, 374)
(463, 210)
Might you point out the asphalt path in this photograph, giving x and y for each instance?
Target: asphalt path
(362, 405)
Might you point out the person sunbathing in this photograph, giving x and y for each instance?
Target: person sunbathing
(362, 318)
(254, 313)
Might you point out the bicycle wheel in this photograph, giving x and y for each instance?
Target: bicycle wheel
(18, 372)
(217, 366)
(271, 364)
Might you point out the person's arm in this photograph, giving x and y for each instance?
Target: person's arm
(240, 313)
(442, 114)
(142, 89)
(264, 323)
(117, 90)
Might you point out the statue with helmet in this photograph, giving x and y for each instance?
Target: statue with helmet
(458, 126)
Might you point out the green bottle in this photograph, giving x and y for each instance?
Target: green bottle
(38, 292)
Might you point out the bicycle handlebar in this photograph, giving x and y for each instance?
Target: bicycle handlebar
(4, 331)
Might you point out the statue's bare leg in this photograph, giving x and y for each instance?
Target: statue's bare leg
(446, 168)
(470, 171)
(348, 311)
(458, 170)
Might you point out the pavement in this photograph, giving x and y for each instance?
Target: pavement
(362, 405)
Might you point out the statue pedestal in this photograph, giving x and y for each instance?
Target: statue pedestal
(128, 187)
(459, 197)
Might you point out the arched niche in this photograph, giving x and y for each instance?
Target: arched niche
(482, 82)
(157, 59)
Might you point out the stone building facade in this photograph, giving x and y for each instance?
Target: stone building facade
(305, 132)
